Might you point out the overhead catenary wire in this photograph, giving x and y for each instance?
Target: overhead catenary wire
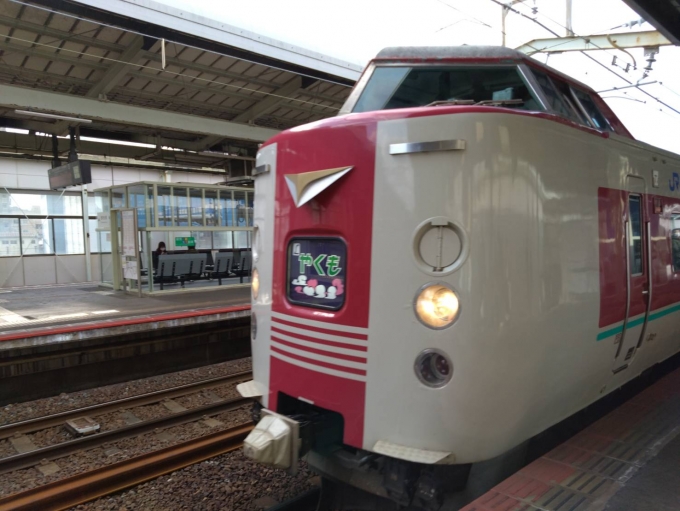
(465, 14)
(515, 11)
(606, 50)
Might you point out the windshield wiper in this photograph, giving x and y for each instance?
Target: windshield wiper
(448, 102)
(500, 102)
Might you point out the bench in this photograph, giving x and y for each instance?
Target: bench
(231, 264)
(223, 265)
(245, 265)
(180, 267)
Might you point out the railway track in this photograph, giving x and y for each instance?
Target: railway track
(32, 425)
(32, 458)
(92, 484)
(52, 452)
(87, 486)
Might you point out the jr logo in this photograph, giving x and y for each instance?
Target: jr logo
(674, 182)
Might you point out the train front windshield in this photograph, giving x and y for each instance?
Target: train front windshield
(405, 86)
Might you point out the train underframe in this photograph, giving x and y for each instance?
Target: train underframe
(360, 479)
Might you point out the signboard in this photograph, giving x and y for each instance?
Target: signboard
(130, 269)
(104, 221)
(185, 242)
(72, 174)
(317, 272)
(129, 233)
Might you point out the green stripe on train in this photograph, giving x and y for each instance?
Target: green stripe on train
(638, 321)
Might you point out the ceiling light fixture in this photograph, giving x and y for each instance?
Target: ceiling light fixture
(28, 113)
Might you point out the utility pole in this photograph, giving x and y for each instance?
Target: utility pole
(506, 10)
(570, 31)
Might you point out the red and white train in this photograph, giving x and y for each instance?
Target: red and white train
(475, 249)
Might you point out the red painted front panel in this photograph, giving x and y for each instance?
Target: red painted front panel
(344, 210)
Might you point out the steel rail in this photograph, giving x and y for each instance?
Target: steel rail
(32, 458)
(75, 490)
(31, 425)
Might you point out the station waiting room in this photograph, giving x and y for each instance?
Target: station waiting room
(174, 237)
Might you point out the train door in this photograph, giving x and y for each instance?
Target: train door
(638, 270)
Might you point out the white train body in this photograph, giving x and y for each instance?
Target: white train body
(526, 215)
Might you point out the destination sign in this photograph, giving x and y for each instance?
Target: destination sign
(75, 173)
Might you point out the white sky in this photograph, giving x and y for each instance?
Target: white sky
(355, 30)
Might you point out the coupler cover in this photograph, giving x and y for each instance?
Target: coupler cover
(274, 441)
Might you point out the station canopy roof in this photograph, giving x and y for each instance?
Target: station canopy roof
(223, 90)
(663, 14)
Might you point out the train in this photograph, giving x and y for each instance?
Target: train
(474, 249)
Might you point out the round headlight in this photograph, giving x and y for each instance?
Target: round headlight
(433, 368)
(253, 325)
(255, 283)
(436, 305)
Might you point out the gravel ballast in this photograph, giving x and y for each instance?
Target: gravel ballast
(230, 482)
(64, 402)
(227, 482)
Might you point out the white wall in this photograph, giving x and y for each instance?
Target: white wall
(32, 175)
(27, 175)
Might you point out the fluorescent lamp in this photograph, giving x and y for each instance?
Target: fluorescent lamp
(15, 130)
(28, 113)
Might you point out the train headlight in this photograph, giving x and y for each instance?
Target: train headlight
(437, 305)
(255, 283)
(433, 368)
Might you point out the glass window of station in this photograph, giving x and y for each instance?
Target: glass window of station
(45, 223)
(182, 218)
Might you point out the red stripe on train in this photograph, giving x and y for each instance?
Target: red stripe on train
(351, 370)
(359, 337)
(320, 351)
(335, 344)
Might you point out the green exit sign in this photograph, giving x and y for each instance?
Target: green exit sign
(185, 242)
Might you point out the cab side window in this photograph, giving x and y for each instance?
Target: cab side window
(557, 101)
(590, 109)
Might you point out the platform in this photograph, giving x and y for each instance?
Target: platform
(627, 461)
(70, 311)
(65, 338)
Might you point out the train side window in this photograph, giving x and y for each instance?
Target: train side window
(635, 229)
(590, 109)
(675, 243)
(557, 101)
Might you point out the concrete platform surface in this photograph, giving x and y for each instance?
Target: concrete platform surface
(627, 461)
(43, 308)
